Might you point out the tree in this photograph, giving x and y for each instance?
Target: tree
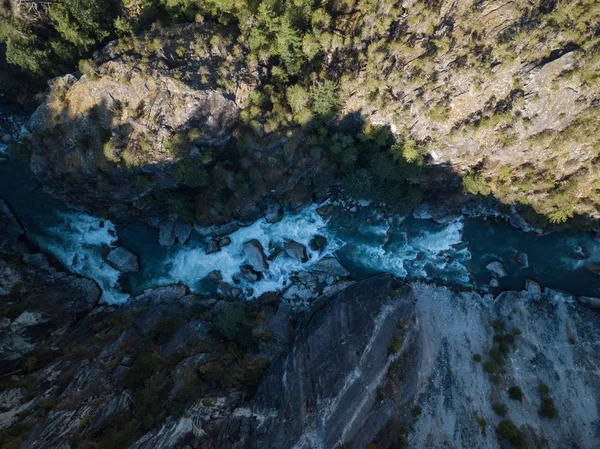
(83, 22)
(297, 97)
(325, 102)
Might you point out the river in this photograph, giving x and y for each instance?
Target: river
(454, 253)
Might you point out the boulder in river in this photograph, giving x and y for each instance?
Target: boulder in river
(580, 253)
(225, 241)
(533, 287)
(249, 273)
(123, 260)
(522, 259)
(589, 302)
(330, 266)
(325, 211)
(154, 296)
(296, 251)
(166, 233)
(497, 268)
(318, 243)
(215, 276)
(182, 231)
(256, 255)
(213, 246)
(274, 213)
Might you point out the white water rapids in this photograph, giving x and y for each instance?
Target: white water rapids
(79, 241)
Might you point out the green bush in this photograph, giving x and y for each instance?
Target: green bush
(144, 366)
(14, 436)
(499, 409)
(396, 344)
(547, 409)
(475, 184)
(508, 430)
(515, 394)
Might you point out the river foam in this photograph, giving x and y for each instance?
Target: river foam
(78, 241)
(190, 264)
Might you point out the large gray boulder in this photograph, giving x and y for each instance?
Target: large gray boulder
(166, 233)
(123, 260)
(274, 213)
(497, 268)
(249, 273)
(256, 255)
(296, 251)
(330, 266)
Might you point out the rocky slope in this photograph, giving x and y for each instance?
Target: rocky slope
(507, 89)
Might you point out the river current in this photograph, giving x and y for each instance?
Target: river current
(454, 253)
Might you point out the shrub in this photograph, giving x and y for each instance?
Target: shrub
(477, 357)
(298, 98)
(164, 331)
(483, 425)
(547, 409)
(499, 409)
(515, 394)
(14, 436)
(395, 344)
(144, 366)
(508, 430)
(474, 184)
(543, 388)
(360, 184)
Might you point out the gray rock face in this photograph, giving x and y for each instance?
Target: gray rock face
(497, 268)
(123, 260)
(319, 385)
(249, 273)
(532, 287)
(325, 211)
(10, 225)
(256, 255)
(296, 251)
(215, 276)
